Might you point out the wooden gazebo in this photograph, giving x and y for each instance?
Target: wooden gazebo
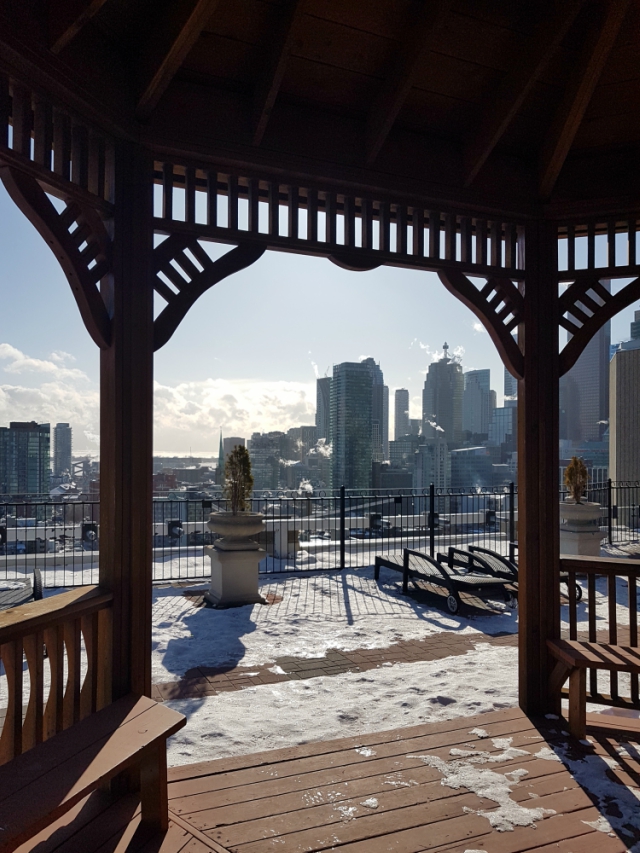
(495, 143)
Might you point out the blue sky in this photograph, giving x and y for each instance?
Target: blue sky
(247, 355)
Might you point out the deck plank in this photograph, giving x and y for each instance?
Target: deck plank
(321, 747)
(341, 757)
(312, 798)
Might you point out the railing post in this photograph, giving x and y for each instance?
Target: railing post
(609, 511)
(342, 527)
(432, 520)
(512, 521)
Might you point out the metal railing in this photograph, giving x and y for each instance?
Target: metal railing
(324, 530)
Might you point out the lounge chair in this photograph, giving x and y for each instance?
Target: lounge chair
(418, 566)
(504, 567)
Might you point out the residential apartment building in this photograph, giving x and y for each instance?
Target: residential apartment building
(351, 425)
(62, 440)
(25, 458)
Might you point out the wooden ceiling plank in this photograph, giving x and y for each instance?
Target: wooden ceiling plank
(516, 85)
(578, 93)
(268, 85)
(67, 19)
(420, 34)
(168, 48)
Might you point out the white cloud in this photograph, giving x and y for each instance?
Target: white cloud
(478, 327)
(52, 402)
(60, 356)
(193, 412)
(17, 362)
(186, 415)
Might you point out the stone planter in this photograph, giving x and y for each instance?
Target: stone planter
(580, 528)
(234, 559)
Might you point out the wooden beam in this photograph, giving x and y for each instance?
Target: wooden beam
(421, 32)
(579, 90)
(517, 85)
(67, 19)
(268, 85)
(126, 427)
(168, 48)
(538, 460)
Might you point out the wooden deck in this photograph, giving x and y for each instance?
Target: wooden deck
(364, 795)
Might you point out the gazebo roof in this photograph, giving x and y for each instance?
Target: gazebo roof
(503, 103)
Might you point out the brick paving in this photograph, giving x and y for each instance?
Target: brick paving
(209, 681)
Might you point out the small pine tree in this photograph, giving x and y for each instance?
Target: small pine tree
(576, 478)
(238, 482)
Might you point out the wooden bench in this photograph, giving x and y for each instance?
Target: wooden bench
(40, 785)
(574, 657)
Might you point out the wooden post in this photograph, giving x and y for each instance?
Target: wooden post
(126, 427)
(538, 463)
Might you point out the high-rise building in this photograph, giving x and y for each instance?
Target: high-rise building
(229, 443)
(25, 462)
(323, 407)
(510, 384)
(61, 449)
(584, 393)
(624, 408)
(470, 468)
(401, 423)
(351, 425)
(476, 402)
(503, 429)
(432, 465)
(379, 412)
(442, 400)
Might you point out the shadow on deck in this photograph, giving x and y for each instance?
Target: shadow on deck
(491, 782)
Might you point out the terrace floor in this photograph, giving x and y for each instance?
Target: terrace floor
(492, 783)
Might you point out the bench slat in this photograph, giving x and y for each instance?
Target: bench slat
(61, 771)
(606, 656)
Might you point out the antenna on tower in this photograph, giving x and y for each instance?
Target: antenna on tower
(445, 347)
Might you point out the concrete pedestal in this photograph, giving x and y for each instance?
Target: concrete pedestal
(580, 529)
(234, 577)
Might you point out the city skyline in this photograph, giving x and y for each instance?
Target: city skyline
(301, 315)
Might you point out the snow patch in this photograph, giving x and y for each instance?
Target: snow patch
(462, 772)
(481, 733)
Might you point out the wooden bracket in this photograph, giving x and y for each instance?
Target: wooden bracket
(184, 262)
(499, 305)
(79, 240)
(585, 306)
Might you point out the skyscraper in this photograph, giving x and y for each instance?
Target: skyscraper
(442, 400)
(624, 408)
(401, 424)
(379, 412)
(587, 385)
(510, 384)
(323, 407)
(351, 425)
(476, 402)
(25, 458)
(61, 449)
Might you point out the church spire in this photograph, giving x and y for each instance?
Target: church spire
(221, 462)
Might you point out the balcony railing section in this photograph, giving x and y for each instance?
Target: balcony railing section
(43, 137)
(607, 613)
(56, 657)
(357, 231)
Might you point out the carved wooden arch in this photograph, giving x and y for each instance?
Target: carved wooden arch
(174, 259)
(585, 307)
(499, 307)
(79, 240)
